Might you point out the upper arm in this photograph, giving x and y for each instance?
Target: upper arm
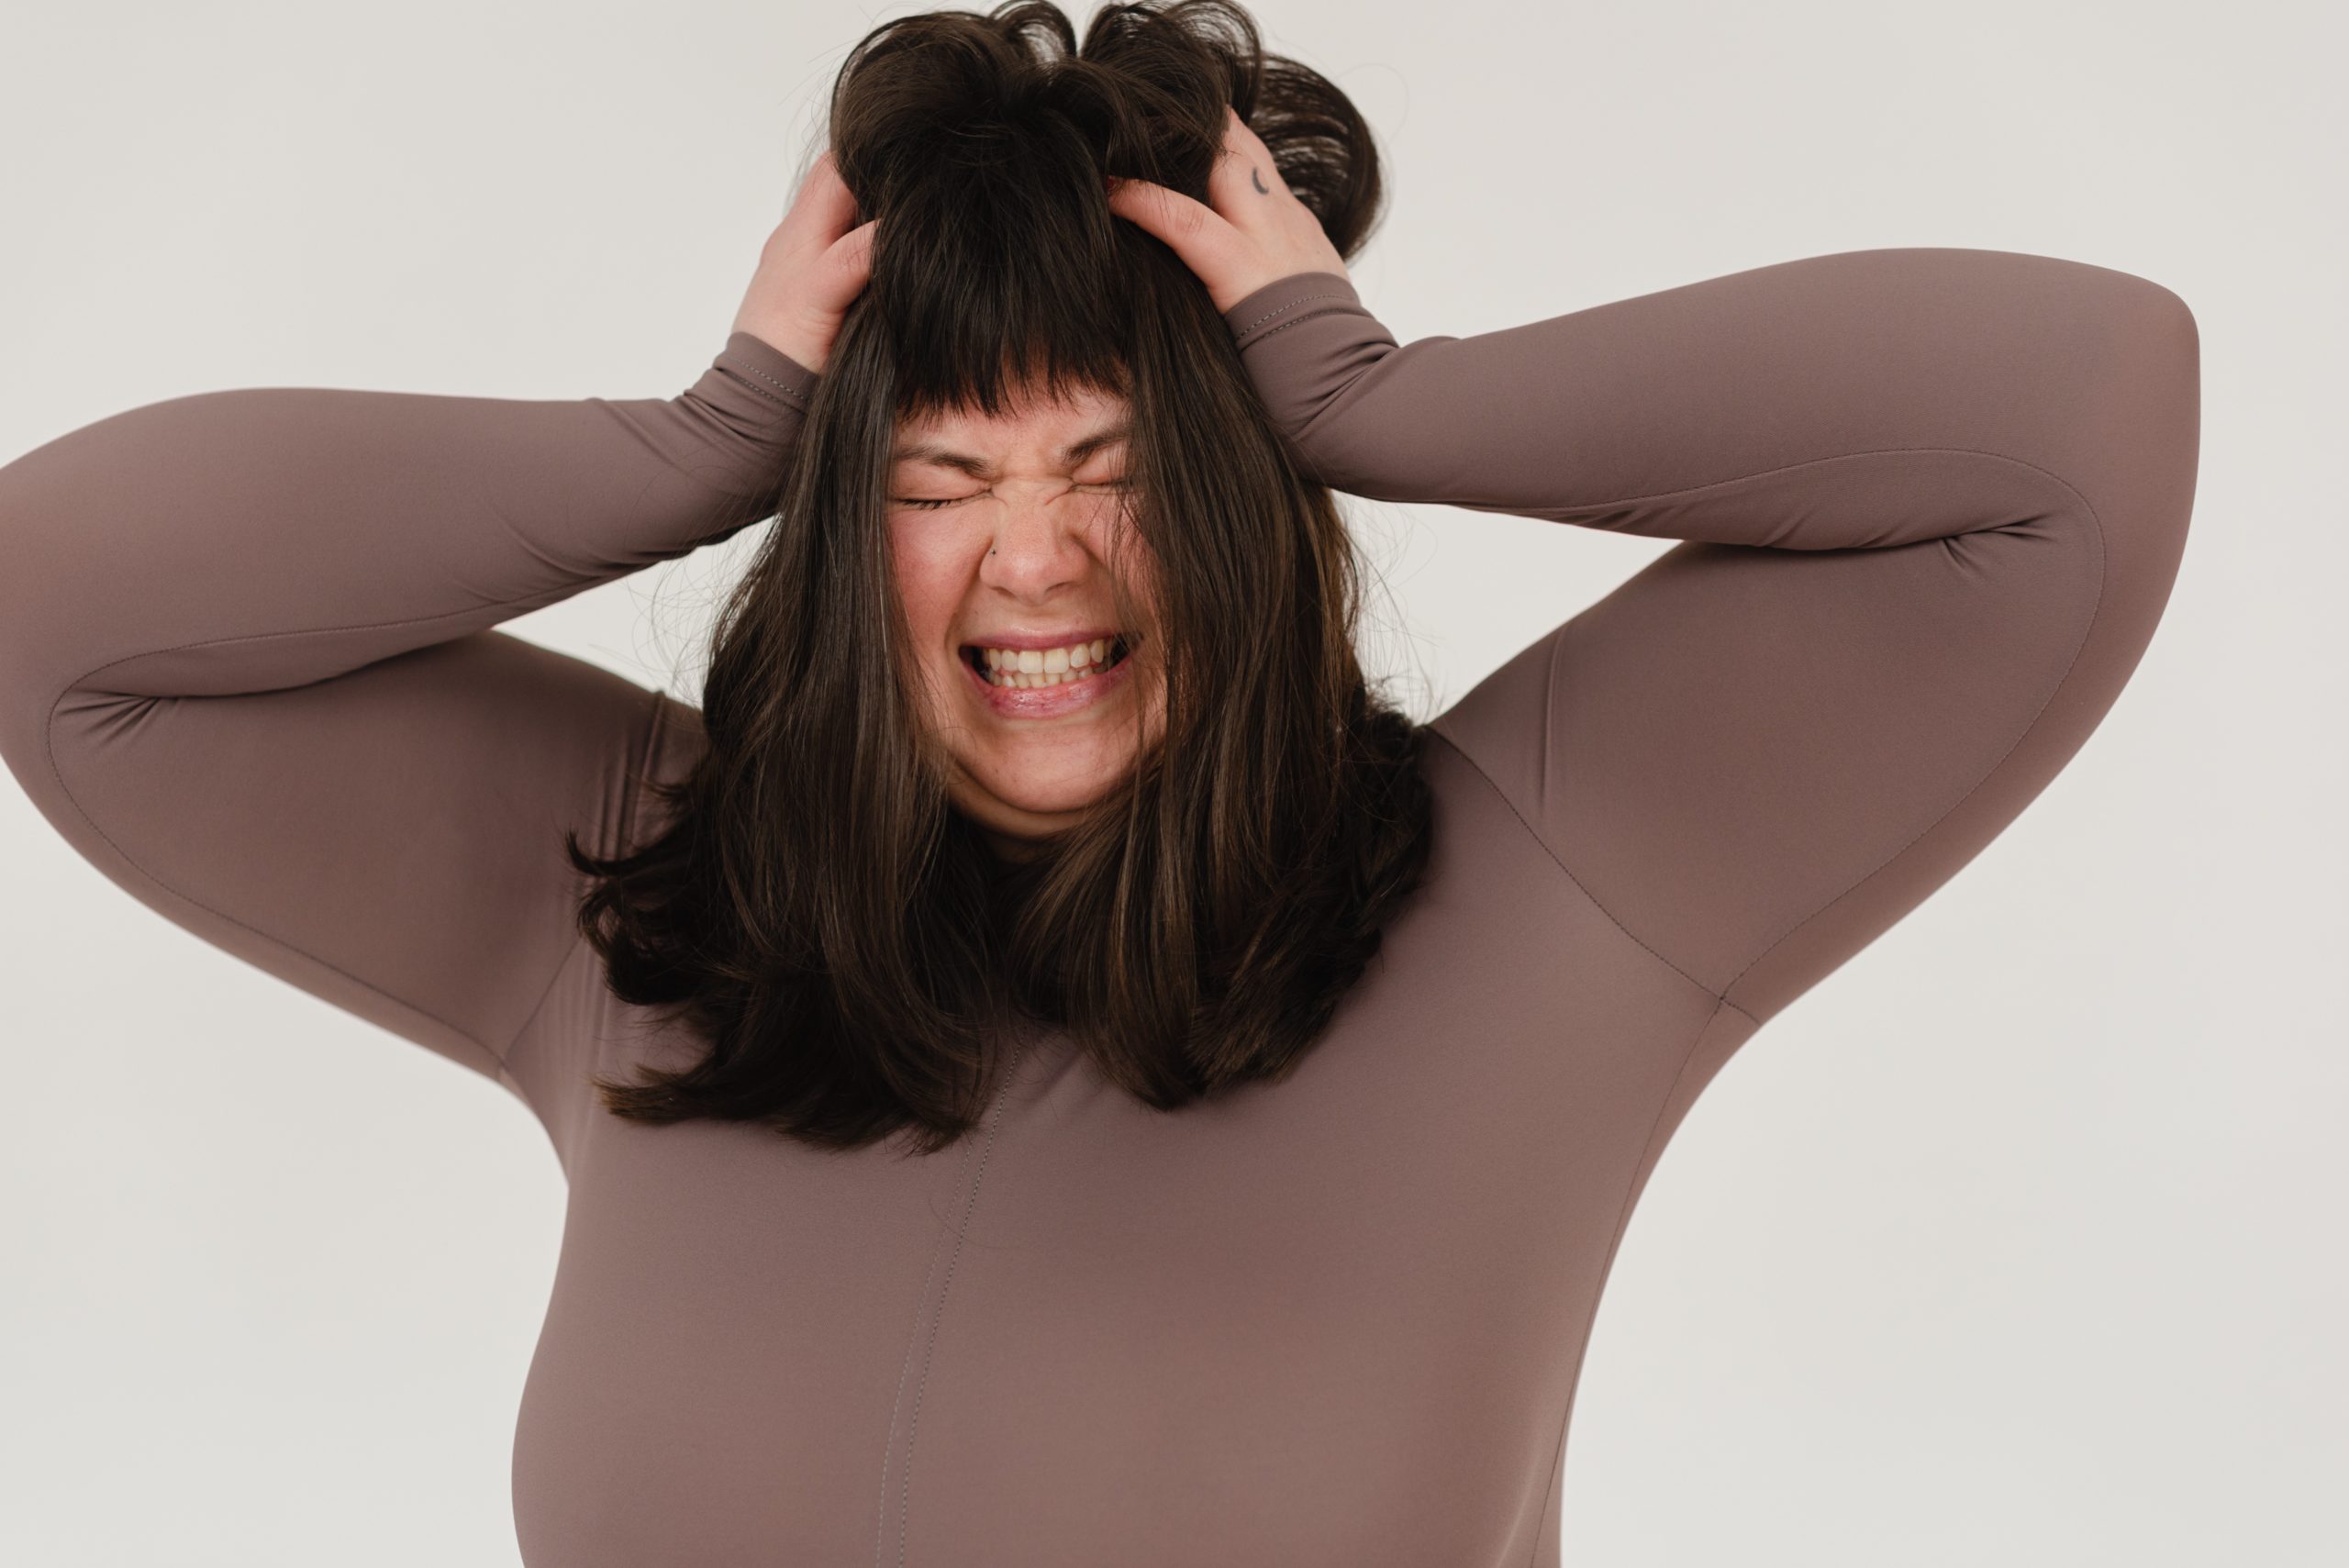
(249, 670)
(389, 839)
(1758, 759)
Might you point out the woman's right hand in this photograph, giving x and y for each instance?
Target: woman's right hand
(813, 266)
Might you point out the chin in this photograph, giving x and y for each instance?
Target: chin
(1032, 779)
(1037, 799)
(1046, 796)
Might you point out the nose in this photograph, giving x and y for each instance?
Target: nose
(1038, 544)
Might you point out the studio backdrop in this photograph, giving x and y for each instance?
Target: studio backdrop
(2015, 1242)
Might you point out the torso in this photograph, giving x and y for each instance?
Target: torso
(1337, 1319)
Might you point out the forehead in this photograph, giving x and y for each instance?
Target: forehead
(1028, 425)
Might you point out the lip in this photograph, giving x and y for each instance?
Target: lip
(1047, 702)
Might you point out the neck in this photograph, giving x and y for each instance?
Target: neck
(1016, 850)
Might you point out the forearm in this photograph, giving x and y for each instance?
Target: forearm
(259, 538)
(1859, 399)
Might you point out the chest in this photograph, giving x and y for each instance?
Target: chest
(1334, 1319)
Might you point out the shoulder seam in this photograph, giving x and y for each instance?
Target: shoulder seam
(1557, 860)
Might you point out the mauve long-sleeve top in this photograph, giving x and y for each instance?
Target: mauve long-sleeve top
(1932, 500)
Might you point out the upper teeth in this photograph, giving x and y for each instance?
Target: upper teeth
(1044, 666)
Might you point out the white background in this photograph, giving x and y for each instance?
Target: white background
(2018, 1241)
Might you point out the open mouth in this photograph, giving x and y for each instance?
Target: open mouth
(1031, 669)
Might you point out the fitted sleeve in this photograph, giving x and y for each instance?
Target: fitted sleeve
(1932, 502)
(247, 667)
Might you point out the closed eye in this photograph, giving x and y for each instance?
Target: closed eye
(926, 505)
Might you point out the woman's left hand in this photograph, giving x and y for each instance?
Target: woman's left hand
(1253, 231)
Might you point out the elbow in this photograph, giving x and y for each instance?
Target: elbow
(2097, 331)
(2137, 449)
(2168, 335)
(2174, 316)
(2157, 393)
(2150, 337)
(2128, 431)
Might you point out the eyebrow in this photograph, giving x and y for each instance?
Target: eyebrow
(1077, 451)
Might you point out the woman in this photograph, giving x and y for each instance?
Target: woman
(1277, 1077)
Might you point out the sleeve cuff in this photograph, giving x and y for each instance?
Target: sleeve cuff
(762, 369)
(1287, 301)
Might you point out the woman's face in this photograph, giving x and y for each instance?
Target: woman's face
(1003, 531)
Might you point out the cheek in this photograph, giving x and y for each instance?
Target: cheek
(931, 577)
(1117, 543)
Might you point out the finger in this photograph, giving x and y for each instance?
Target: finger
(1245, 185)
(852, 252)
(1239, 134)
(824, 208)
(1191, 229)
(848, 266)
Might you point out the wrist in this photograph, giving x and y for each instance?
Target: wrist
(1288, 300)
(759, 367)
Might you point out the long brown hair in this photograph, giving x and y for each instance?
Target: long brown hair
(844, 941)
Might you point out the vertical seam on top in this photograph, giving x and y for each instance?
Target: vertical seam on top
(961, 1231)
(896, 1400)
